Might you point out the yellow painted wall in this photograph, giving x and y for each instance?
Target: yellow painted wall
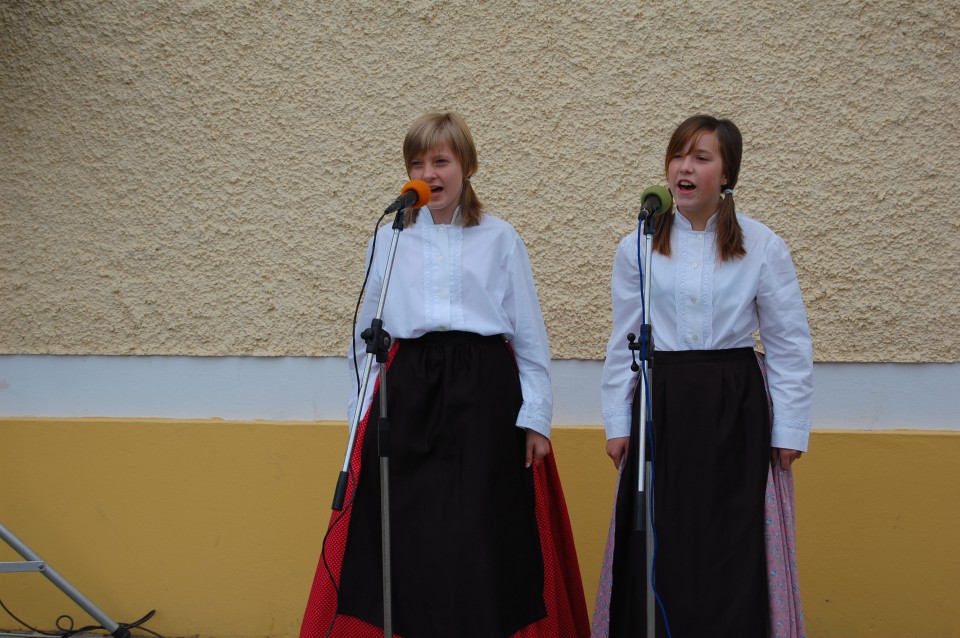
(217, 525)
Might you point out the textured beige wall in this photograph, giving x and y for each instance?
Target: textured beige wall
(200, 177)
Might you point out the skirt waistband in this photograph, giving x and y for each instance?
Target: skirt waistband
(455, 337)
(668, 357)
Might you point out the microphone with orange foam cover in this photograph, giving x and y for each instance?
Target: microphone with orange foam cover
(415, 193)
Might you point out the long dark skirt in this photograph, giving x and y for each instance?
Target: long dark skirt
(466, 550)
(711, 453)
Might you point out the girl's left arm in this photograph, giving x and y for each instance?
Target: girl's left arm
(789, 351)
(529, 343)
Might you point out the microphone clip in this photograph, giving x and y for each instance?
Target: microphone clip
(378, 340)
(644, 345)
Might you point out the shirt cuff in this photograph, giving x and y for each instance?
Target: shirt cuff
(533, 417)
(790, 434)
(616, 421)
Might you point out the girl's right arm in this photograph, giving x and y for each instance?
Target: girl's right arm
(618, 380)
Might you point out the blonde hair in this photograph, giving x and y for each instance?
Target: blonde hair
(435, 129)
(730, 144)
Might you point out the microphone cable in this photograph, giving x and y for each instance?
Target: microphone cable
(68, 631)
(649, 432)
(351, 478)
(323, 547)
(356, 310)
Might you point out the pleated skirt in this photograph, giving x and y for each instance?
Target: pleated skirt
(480, 545)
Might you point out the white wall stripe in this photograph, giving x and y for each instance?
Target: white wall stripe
(857, 396)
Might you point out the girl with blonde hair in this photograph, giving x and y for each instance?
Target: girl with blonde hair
(480, 534)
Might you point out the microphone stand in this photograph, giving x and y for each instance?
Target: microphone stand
(378, 343)
(643, 521)
(33, 563)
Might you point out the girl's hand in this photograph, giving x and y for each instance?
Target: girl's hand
(617, 449)
(783, 457)
(538, 446)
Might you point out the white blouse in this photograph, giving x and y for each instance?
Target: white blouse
(701, 303)
(474, 279)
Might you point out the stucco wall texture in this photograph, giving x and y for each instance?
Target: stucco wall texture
(201, 177)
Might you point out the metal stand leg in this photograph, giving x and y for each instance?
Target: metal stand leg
(35, 563)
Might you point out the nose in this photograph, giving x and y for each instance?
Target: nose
(686, 164)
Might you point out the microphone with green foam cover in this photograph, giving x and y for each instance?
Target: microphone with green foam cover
(654, 200)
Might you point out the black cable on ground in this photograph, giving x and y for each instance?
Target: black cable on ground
(68, 630)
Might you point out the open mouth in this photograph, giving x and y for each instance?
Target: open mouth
(685, 186)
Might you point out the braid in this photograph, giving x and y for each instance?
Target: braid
(661, 234)
(729, 233)
(730, 144)
(470, 205)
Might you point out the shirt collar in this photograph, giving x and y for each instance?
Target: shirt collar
(427, 217)
(684, 223)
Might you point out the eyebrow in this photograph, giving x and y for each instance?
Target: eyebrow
(701, 149)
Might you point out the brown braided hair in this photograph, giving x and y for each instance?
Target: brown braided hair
(730, 143)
